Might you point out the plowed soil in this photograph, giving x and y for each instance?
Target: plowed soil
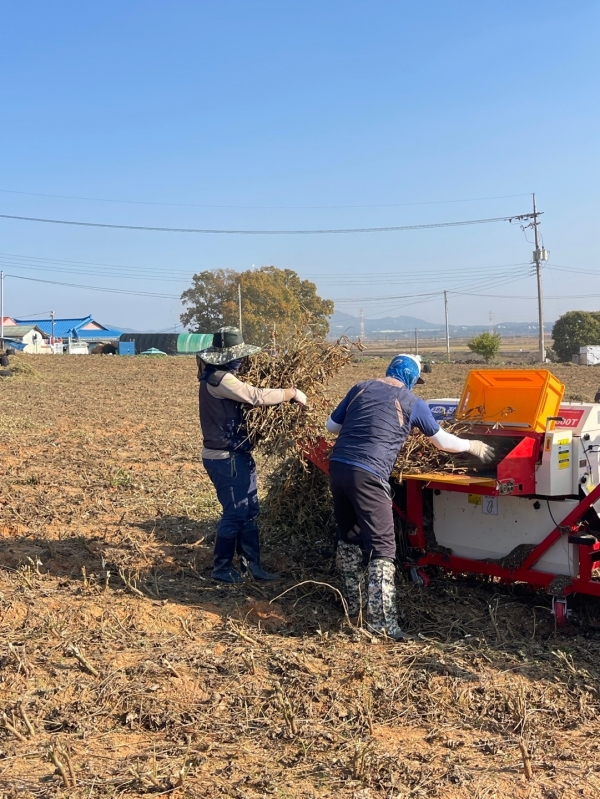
(124, 671)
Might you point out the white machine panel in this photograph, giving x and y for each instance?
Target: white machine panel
(481, 527)
(583, 420)
(554, 475)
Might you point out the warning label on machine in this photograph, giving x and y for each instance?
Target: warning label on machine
(564, 455)
(489, 506)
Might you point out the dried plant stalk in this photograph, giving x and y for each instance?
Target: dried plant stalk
(11, 728)
(297, 509)
(25, 717)
(73, 651)
(419, 455)
(304, 361)
(55, 760)
(527, 768)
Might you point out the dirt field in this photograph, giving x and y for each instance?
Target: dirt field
(125, 671)
(518, 349)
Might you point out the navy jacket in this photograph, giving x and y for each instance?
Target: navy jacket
(376, 418)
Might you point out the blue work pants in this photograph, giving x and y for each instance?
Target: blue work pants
(235, 481)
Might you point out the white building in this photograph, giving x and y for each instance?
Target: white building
(26, 338)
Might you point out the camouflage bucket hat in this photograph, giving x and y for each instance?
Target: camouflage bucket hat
(228, 345)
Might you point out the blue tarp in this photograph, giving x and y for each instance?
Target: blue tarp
(18, 345)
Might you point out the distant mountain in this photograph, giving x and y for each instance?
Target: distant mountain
(341, 323)
(145, 330)
(404, 327)
(122, 329)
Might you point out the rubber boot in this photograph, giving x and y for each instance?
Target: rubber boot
(249, 550)
(382, 614)
(223, 570)
(348, 560)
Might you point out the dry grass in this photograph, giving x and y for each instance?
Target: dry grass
(20, 365)
(303, 361)
(124, 671)
(420, 456)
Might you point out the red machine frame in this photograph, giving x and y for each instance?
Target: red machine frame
(588, 550)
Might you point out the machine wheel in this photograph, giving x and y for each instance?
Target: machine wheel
(425, 578)
(419, 576)
(559, 608)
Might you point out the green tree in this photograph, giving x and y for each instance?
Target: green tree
(486, 344)
(211, 300)
(273, 300)
(573, 330)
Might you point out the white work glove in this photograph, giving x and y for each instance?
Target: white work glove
(481, 450)
(299, 397)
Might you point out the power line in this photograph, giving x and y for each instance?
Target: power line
(505, 279)
(97, 288)
(31, 315)
(389, 307)
(106, 273)
(416, 299)
(460, 283)
(533, 297)
(415, 274)
(391, 229)
(259, 207)
(557, 268)
(451, 277)
(32, 261)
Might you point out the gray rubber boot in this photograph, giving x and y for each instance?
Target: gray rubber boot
(348, 561)
(382, 614)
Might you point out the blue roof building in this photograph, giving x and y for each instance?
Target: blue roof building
(84, 329)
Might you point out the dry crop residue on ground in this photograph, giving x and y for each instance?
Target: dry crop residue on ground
(124, 671)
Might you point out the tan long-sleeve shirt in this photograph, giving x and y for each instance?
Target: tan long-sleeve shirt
(232, 388)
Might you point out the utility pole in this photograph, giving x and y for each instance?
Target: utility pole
(447, 325)
(416, 341)
(240, 304)
(52, 340)
(539, 255)
(362, 326)
(491, 327)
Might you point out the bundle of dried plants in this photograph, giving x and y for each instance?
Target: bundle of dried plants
(419, 455)
(297, 511)
(305, 361)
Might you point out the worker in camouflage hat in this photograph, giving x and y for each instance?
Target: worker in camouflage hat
(372, 422)
(226, 455)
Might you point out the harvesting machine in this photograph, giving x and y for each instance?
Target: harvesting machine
(533, 514)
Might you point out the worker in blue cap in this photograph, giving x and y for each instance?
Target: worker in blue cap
(372, 423)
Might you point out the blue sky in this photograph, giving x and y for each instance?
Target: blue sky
(270, 115)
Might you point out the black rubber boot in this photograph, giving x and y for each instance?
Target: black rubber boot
(223, 570)
(249, 549)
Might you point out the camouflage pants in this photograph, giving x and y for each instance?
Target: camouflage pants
(349, 564)
(382, 613)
